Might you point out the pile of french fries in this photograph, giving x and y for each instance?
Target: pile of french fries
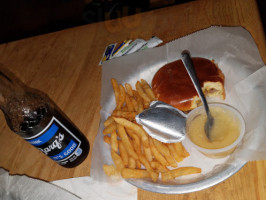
(134, 153)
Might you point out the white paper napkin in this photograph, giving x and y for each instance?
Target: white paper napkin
(87, 188)
(16, 187)
(24, 188)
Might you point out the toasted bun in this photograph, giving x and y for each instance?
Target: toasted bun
(172, 84)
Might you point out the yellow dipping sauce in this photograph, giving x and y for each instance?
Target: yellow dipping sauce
(225, 130)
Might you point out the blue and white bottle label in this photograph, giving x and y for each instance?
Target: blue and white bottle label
(57, 142)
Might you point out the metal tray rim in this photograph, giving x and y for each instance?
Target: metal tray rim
(190, 187)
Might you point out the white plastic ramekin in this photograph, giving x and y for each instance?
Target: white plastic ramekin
(221, 152)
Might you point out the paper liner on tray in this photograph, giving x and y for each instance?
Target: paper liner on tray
(236, 54)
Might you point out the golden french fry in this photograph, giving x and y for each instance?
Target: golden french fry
(129, 89)
(139, 173)
(123, 153)
(116, 90)
(109, 121)
(134, 103)
(157, 155)
(124, 138)
(136, 94)
(145, 162)
(114, 142)
(135, 173)
(138, 164)
(130, 106)
(172, 174)
(162, 168)
(148, 90)
(122, 97)
(147, 153)
(154, 175)
(124, 108)
(137, 129)
(146, 104)
(107, 139)
(170, 160)
(136, 141)
(180, 149)
(162, 148)
(110, 170)
(118, 161)
(137, 146)
(141, 92)
(127, 124)
(176, 156)
(124, 114)
(109, 129)
(131, 133)
(131, 163)
(153, 164)
(140, 105)
(186, 153)
(159, 167)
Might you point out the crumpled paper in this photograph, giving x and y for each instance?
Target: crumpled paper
(236, 54)
(253, 108)
(18, 187)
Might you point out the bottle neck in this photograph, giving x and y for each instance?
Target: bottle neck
(8, 87)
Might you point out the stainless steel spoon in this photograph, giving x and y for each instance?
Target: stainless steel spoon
(191, 71)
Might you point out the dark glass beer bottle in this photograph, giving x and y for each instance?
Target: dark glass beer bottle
(35, 117)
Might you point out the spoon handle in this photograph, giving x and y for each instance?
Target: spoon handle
(191, 71)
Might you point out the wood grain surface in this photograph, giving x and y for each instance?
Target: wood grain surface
(64, 64)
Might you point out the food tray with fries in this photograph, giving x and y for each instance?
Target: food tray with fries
(122, 149)
(140, 156)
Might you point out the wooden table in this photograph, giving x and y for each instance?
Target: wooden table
(65, 66)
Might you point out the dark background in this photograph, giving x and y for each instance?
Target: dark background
(25, 18)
